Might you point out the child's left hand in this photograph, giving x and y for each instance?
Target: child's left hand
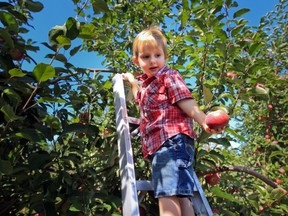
(212, 131)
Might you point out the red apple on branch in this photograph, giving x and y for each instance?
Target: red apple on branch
(217, 119)
(16, 54)
(260, 88)
(216, 211)
(278, 181)
(84, 118)
(282, 170)
(212, 179)
(231, 75)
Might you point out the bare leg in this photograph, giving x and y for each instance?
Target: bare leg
(186, 207)
(169, 206)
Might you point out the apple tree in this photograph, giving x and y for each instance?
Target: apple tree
(58, 149)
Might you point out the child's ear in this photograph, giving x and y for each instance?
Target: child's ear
(166, 56)
(135, 60)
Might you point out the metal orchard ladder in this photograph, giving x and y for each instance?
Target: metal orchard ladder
(129, 185)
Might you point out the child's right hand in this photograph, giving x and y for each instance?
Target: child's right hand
(129, 77)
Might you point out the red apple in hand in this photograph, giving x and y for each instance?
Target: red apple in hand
(217, 119)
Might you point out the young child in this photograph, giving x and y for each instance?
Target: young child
(167, 110)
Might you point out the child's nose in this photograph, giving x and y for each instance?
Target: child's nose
(153, 59)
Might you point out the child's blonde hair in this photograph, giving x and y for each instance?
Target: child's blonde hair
(151, 36)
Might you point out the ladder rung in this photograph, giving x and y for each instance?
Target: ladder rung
(134, 124)
(132, 120)
(142, 185)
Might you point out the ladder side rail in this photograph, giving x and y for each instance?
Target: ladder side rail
(201, 199)
(130, 205)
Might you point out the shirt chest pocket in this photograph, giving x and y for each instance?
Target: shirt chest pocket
(156, 96)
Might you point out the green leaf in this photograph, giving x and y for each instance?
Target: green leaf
(75, 50)
(200, 24)
(221, 34)
(51, 100)
(107, 85)
(226, 96)
(221, 141)
(209, 162)
(67, 178)
(217, 192)
(49, 47)
(254, 48)
(276, 154)
(276, 193)
(216, 155)
(234, 133)
(208, 96)
(33, 6)
(52, 121)
(237, 29)
(6, 5)
(58, 57)
(240, 12)
(9, 113)
(262, 190)
(191, 38)
(99, 6)
(203, 137)
(30, 134)
(9, 21)
(72, 26)
(202, 167)
(7, 37)
(39, 159)
(54, 33)
(74, 209)
(43, 72)
(201, 153)
(63, 41)
(16, 72)
(87, 31)
(13, 96)
(78, 127)
(61, 58)
(221, 49)
(5, 167)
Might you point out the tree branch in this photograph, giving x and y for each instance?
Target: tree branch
(243, 169)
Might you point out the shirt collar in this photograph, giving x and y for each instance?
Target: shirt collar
(161, 71)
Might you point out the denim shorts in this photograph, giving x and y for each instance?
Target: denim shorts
(172, 167)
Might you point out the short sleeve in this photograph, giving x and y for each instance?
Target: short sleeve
(176, 87)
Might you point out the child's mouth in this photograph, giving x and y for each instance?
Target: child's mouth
(153, 68)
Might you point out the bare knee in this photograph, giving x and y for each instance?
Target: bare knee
(186, 206)
(169, 206)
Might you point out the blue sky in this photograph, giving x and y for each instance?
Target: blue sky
(56, 12)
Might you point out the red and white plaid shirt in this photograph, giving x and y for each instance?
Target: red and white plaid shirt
(160, 117)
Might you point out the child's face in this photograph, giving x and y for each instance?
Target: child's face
(151, 59)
